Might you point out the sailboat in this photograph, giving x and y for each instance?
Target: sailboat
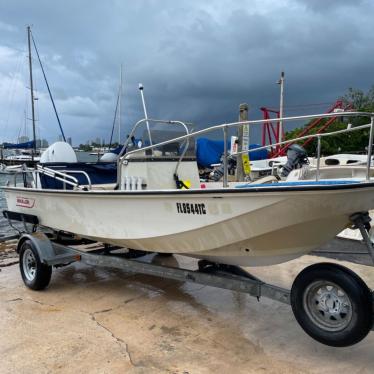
(28, 152)
(23, 155)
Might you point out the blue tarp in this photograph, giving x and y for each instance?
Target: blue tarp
(26, 145)
(117, 150)
(210, 151)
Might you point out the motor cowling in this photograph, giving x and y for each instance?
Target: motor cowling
(296, 158)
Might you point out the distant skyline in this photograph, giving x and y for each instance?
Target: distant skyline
(198, 61)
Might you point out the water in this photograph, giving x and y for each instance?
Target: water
(86, 157)
(5, 229)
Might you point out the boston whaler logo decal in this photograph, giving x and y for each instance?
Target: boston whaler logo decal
(190, 208)
(25, 202)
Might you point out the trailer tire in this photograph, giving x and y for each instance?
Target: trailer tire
(35, 274)
(332, 304)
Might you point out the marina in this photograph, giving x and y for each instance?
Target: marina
(330, 302)
(205, 226)
(216, 218)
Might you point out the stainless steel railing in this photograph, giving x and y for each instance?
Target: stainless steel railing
(226, 126)
(60, 175)
(319, 136)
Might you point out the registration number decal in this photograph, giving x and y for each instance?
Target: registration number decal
(190, 208)
(25, 202)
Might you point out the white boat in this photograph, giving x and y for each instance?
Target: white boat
(237, 223)
(11, 169)
(342, 167)
(331, 167)
(22, 158)
(99, 153)
(344, 159)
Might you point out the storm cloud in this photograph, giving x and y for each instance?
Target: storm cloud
(197, 61)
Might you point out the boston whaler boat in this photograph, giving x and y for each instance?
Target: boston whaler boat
(160, 205)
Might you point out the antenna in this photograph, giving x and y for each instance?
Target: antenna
(119, 106)
(31, 92)
(281, 83)
(141, 88)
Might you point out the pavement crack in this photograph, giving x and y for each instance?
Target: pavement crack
(121, 343)
(103, 311)
(16, 299)
(9, 264)
(41, 303)
(132, 299)
(128, 353)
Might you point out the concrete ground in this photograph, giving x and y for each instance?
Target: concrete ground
(96, 320)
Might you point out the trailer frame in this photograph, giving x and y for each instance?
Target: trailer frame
(210, 274)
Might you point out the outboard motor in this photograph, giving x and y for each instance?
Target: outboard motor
(217, 174)
(296, 158)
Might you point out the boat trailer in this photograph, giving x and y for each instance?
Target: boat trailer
(330, 302)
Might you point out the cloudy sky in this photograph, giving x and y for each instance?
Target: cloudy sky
(198, 60)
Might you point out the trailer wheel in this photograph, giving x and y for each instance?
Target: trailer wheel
(35, 274)
(332, 304)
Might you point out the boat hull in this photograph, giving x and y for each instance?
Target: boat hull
(248, 227)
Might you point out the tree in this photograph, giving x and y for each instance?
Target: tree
(85, 147)
(354, 142)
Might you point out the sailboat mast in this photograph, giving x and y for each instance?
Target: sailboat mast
(32, 92)
(119, 105)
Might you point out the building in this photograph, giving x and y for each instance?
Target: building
(23, 139)
(41, 143)
(69, 141)
(60, 138)
(44, 143)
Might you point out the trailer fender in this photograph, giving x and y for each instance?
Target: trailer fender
(41, 243)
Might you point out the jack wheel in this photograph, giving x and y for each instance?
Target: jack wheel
(35, 274)
(332, 304)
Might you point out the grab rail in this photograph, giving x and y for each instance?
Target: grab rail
(80, 172)
(55, 174)
(58, 175)
(226, 126)
(63, 176)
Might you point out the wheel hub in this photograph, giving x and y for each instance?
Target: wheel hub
(327, 305)
(29, 264)
(330, 302)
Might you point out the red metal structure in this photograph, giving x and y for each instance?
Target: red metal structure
(269, 132)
